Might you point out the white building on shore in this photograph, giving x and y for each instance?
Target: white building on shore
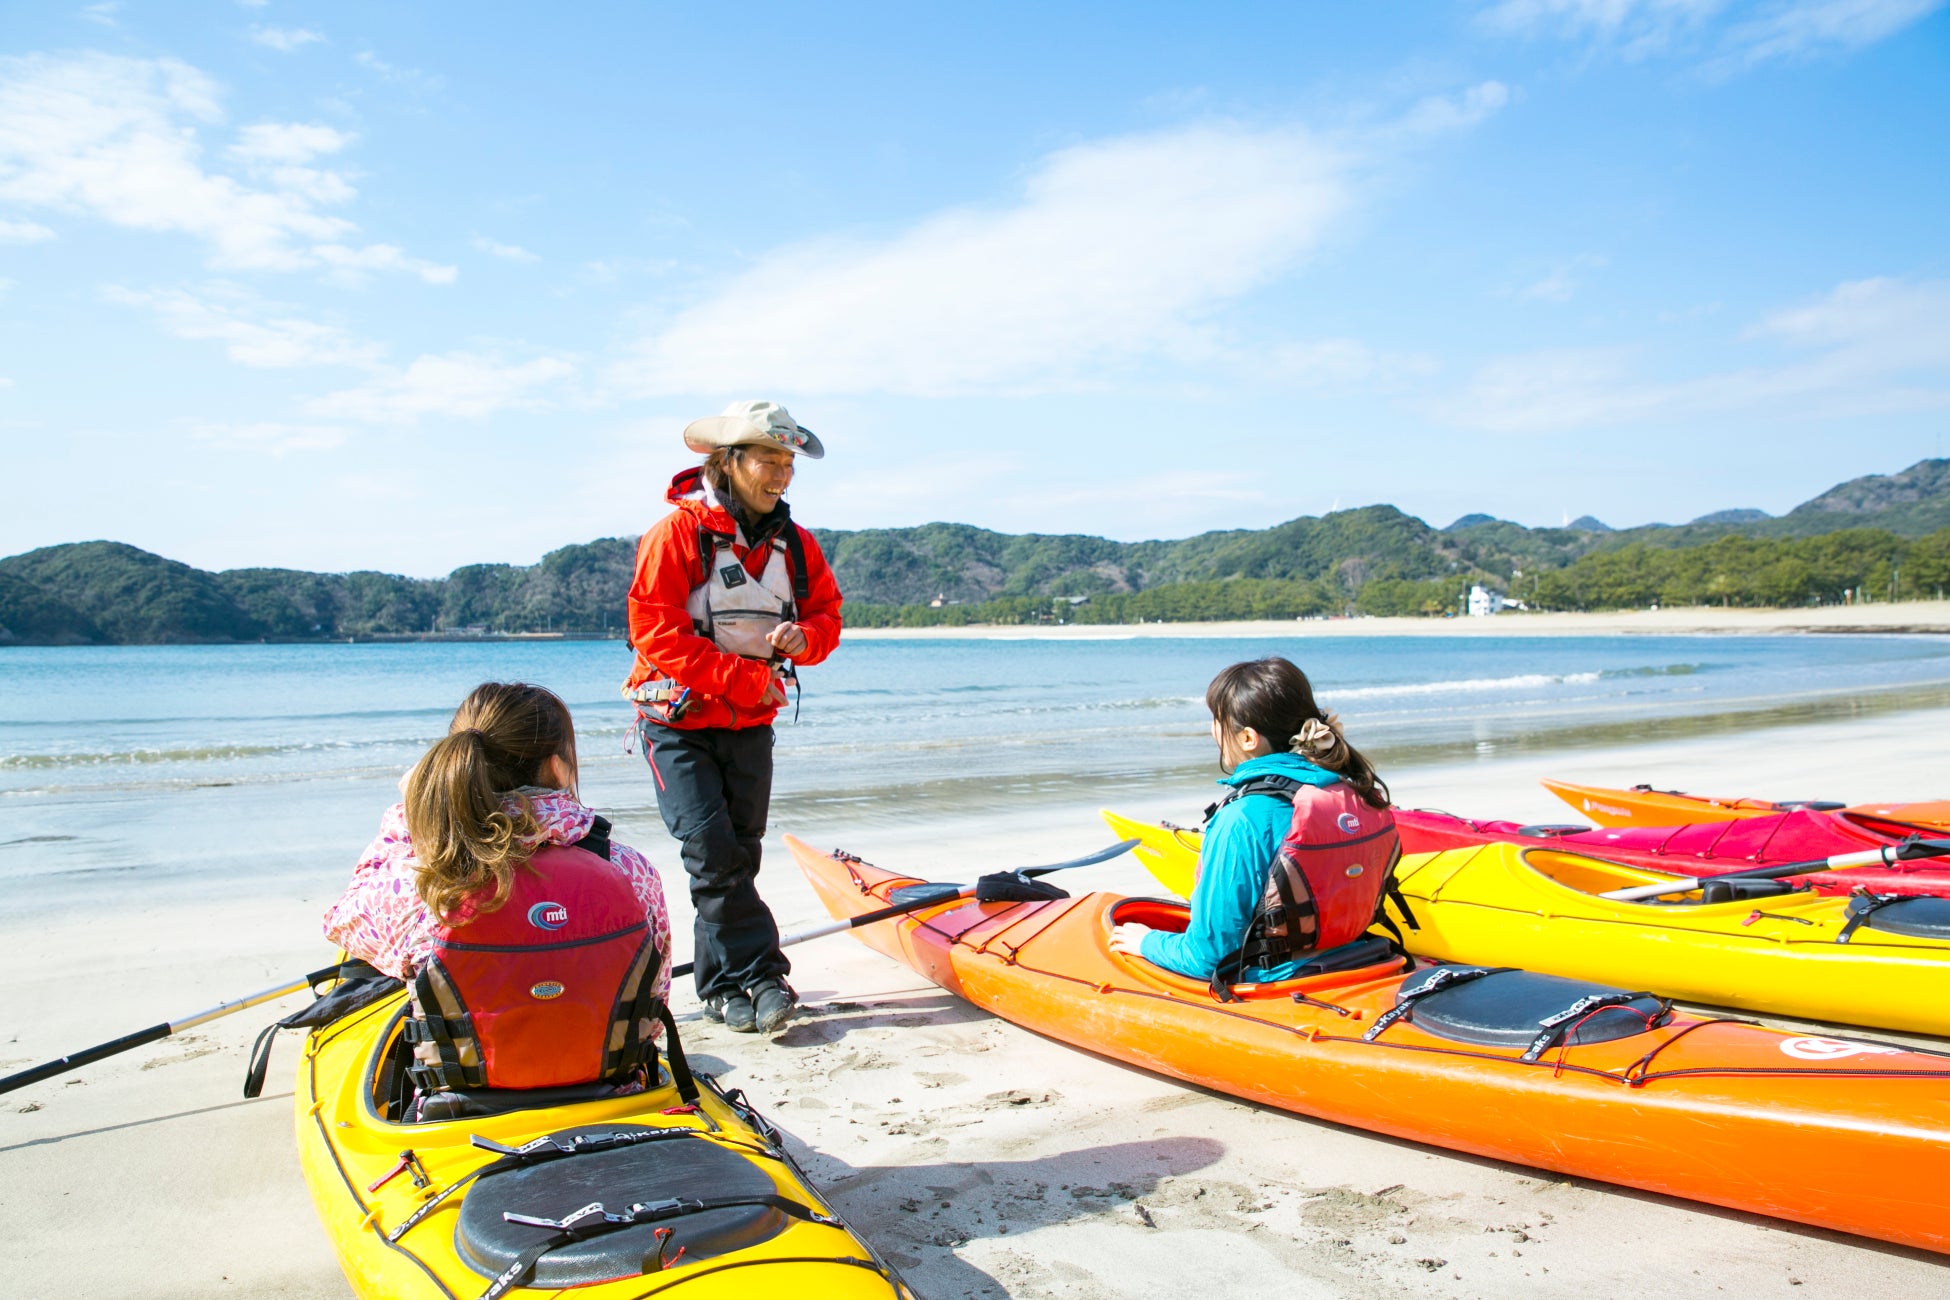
(1483, 602)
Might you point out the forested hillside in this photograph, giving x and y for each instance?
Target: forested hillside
(1878, 537)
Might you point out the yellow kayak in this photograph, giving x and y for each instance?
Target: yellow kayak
(1537, 908)
(711, 1205)
(1169, 853)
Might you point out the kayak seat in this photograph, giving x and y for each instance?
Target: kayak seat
(618, 1178)
(1368, 950)
(474, 1103)
(1920, 918)
(1735, 891)
(1508, 1009)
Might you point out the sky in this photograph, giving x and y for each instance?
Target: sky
(405, 287)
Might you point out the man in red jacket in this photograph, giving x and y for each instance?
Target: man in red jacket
(729, 595)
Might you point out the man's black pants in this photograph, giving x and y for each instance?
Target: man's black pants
(714, 787)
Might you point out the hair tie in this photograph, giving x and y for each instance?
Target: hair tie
(1319, 740)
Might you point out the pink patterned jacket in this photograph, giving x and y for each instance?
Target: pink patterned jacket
(380, 916)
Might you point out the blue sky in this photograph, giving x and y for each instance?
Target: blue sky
(406, 287)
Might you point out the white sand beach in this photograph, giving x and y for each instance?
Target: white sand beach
(1904, 616)
(984, 1160)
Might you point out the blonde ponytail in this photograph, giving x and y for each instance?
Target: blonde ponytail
(471, 826)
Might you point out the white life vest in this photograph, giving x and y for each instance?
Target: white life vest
(735, 610)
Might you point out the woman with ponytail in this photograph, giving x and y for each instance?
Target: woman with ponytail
(1273, 739)
(496, 789)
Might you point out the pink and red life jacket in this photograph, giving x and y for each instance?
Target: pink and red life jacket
(552, 988)
(1325, 885)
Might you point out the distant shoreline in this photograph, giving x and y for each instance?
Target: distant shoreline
(1926, 617)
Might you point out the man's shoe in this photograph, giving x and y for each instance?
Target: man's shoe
(733, 1010)
(772, 1004)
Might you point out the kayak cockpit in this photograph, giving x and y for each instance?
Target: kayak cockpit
(1597, 877)
(390, 1095)
(1371, 955)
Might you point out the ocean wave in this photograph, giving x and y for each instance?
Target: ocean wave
(1521, 681)
(181, 754)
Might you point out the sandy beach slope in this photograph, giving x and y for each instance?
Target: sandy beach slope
(1907, 616)
(987, 1161)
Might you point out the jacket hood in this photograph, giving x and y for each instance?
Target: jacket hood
(690, 493)
(1291, 766)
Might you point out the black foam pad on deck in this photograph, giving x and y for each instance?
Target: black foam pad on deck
(1508, 1009)
(1920, 918)
(654, 1171)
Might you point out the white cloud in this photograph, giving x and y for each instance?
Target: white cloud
(23, 232)
(102, 15)
(285, 39)
(458, 385)
(267, 436)
(1116, 251)
(117, 139)
(1754, 31)
(253, 333)
(351, 263)
(6, 382)
(511, 252)
(1868, 347)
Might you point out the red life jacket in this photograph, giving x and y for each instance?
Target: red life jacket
(1325, 885)
(552, 988)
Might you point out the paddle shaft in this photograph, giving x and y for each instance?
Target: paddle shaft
(902, 909)
(1885, 856)
(154, 1033)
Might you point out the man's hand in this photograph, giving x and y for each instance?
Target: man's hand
(774, 695)
(789, 639)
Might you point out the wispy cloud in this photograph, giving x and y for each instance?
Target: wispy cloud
(1868, 347)
(23, 232)
(119, 140)
(102, 15)
(455, 385)
(1115, 253)
(509, 252)
(285, 39)
(1726, 34)
(254, 333)
(268, 437)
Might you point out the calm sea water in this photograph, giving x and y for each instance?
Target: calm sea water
(125, 767)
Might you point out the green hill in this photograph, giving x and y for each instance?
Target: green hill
(1881, 534)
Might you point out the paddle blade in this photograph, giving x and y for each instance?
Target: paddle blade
(922, 895)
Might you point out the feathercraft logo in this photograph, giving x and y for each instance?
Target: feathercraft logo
(548, 916)
(546, 990)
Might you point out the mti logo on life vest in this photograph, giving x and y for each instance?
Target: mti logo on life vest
(547, 989)
(732, 575)
(1348, 823)
(548, 916)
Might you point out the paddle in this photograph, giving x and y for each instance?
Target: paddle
(156, 1033)
(1908, 851)
(916, 897)
(923, 895)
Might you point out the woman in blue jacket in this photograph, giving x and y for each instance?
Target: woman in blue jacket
(1266, 724)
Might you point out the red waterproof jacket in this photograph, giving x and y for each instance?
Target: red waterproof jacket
(727, 688)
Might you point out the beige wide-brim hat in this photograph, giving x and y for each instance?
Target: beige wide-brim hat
(752, 424)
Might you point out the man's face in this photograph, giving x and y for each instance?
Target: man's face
(759, 476)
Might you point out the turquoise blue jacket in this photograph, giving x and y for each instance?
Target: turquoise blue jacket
(1240, 844)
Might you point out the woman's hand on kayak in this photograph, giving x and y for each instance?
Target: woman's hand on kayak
(1128, 938)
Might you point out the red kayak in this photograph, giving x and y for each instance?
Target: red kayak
(1705, 848)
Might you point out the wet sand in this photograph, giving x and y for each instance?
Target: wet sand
(985, 1160)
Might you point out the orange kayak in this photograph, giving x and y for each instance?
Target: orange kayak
(1843, 1133)
(1643, 806)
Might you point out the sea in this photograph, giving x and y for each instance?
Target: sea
(154, 772)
